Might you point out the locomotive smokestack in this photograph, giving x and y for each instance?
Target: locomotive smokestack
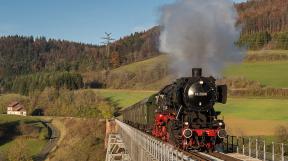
(196, 72)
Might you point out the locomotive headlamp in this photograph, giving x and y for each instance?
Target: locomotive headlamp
(220, 123)
(191, 92)
(186, 123)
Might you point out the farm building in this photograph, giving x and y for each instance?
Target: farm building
(16, 108)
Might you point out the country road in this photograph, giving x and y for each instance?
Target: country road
(54, 136)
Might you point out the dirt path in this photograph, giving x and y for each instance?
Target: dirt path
(54, 135)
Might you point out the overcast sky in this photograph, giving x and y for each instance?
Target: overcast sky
(78, 20)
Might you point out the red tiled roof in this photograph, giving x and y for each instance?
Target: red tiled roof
(16, 106)
(12, 104)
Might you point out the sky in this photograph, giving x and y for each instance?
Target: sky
(79, 20)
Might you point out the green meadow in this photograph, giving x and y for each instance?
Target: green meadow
(255, 109)
(272, 74)
(124, 98)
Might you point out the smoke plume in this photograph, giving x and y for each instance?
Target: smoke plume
(200, 33)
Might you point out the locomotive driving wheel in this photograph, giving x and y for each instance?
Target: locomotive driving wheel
(174, 133)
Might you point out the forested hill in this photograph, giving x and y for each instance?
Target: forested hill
(265, 24)
(263, 15)
(24, 55)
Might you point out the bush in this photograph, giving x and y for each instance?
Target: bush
(280, 40)
(63, 102)
(281, 133)
(19, 152)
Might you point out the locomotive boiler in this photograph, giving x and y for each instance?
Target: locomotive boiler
(183, 113)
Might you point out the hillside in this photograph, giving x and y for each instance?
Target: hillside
(24, 55)
(80, 139)
(148, 74)
(28, 63)
(260, 68)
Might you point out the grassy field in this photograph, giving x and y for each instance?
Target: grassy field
(16, 128)
(255, 109)
(269, 73)
(124, 98)
(146, 64)
(247, 116)
(273, 74)
(244, 116)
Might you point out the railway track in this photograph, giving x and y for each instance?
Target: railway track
(198, 156)
(215, 156)
(223, 156)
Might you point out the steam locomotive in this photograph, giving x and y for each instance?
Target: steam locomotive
(182, 113)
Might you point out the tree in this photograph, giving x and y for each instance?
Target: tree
(115, 59)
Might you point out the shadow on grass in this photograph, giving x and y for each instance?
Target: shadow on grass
(8, 131)
(31, 121)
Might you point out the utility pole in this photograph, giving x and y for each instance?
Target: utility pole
(107, 41)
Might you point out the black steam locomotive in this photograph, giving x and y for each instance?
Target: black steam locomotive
(182, 113)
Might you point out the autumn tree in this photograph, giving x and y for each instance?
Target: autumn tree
(115, 59)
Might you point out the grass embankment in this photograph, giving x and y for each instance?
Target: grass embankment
(21, 136)
(81, 139)
(244, 116)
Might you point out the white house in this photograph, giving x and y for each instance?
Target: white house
(15, 108)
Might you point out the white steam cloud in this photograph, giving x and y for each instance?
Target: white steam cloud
(200, 33)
